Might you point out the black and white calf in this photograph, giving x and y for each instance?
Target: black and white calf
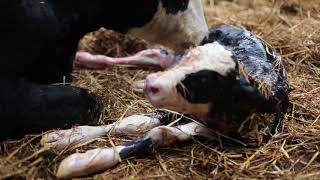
(232, 74)
(40, 39)
(220, 83)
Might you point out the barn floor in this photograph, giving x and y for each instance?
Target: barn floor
(291, 26)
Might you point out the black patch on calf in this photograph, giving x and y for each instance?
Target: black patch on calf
(209, 86)
(174, 6)
(136, 147)
(203, 86)
(224, 92)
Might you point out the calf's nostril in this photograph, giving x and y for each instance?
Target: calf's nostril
(153, 89)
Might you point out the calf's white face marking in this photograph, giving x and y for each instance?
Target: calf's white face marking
(160, 88)
(177, 31)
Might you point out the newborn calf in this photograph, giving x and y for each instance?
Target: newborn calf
(232, 75)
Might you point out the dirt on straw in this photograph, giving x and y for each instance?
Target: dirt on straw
(291, 26)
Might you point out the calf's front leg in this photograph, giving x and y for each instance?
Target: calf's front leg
(81, 135)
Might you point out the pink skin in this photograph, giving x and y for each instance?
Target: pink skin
(158, 82)
(149, 58)
(146, 86)
(160, 92)
(159, 88)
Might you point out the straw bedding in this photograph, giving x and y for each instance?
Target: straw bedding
(290, 26)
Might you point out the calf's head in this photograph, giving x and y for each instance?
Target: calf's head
(201, 76)
(177, 24)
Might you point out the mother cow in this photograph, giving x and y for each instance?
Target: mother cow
(39, 40)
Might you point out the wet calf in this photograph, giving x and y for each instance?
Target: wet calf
(230, 76)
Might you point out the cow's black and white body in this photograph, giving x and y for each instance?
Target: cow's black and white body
(39, 41)
(220, 83)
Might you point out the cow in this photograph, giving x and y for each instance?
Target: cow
(39, 42)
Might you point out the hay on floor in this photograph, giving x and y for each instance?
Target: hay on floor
(291, 26)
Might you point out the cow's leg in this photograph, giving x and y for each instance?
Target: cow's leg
(32, 108)
(151, 58)
(132, 125)
(81, 164)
